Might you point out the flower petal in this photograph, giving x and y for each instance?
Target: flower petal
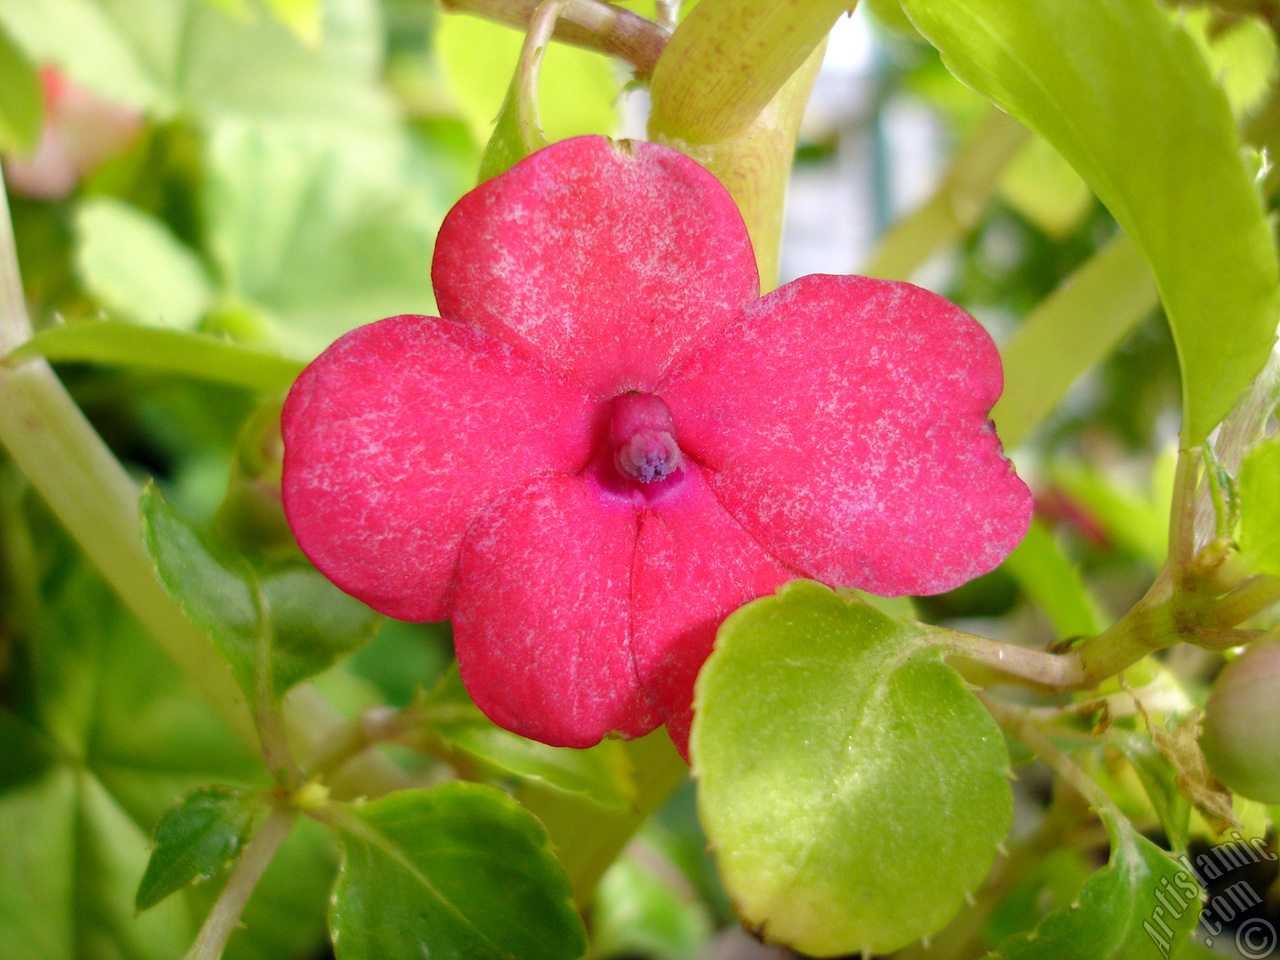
(844, 422)
(694, 566)
(608, 261)
(398, 434)
(542, 617)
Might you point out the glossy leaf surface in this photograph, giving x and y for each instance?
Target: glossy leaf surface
(461, 872)
(1260, 506)
(842, 767)
(1117, 915)
(164, 351)
(600, 775)
(135, 266)
(1130, 103)
(195, 840)
(290, 621)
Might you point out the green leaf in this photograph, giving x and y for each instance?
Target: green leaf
(21, 99)
(99, 733)
(135, 266)
(195, 841)
(842, 768)
(191, 57)
(507, 145)
(1160, 781)
(1049, 578)
(313, 623)
(165, 351)
(459, 871)
(600, 774)
(1130, 103)
(290, 621)
(577, 89)
(323, 230)
(1044, 188)
(1241, 54)
(1137, 907)
(1260, 506)
(301, 16)
(638, 912)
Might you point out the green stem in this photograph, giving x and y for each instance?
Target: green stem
(314, 727)
(90, 493)
(96, 500)
(1247, 600)
(528, 70)
(1182, 523)
(1006, 660)
(754, 165)
(225, 915)
(957, 204)
(729, 59)
(1079, 324)
(1141, 631)
(1019, 725)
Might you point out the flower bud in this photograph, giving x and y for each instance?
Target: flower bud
(81, 131)
(1241, 738)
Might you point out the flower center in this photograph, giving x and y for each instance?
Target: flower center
(642, 436)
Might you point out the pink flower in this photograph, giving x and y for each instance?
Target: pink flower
(80, 133)
(612, 441)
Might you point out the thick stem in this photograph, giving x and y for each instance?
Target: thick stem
(90, 493)
(755, 165)
(96, 500)
(225, 915)
(1007, 661)
(1251, 598)
(1141, 631)
(1182, 524)
(729, 59)
(585, 23)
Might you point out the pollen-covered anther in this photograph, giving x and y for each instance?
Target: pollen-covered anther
(642, 435)
(651, 455)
